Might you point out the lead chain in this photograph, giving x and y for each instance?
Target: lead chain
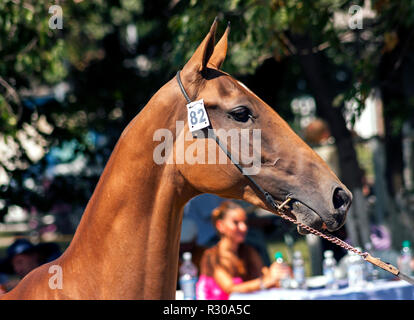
(324, 235)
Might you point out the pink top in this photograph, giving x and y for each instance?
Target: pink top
(208, 289)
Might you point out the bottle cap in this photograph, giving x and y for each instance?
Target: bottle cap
(328, 254)
(368, 246)
(297, 254)
(406, 243)
(351, 253)
(278, 255)
(187, 256)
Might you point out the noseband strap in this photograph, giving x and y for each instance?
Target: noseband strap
(269, 199)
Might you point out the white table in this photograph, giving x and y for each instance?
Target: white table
(377, 290)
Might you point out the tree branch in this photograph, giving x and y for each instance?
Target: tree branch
(12, 92)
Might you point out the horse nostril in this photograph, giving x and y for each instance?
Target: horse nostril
(340, 199)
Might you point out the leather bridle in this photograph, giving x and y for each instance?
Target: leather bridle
(267, 196)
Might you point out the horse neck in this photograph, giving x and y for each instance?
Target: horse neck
(127, 242)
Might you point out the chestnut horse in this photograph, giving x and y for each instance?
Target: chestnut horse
(126, 245)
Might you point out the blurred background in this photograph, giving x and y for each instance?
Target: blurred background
(340, 72)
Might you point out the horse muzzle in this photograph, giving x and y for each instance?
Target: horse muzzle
(316, 216)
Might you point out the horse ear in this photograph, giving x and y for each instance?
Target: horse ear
(198, 62)
(220, 50)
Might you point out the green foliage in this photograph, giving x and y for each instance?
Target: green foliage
(91, 56)
(258, 27)
(29, 52)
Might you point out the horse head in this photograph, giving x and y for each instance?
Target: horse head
(286, 165)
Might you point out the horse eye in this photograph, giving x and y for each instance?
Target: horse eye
(241, 114)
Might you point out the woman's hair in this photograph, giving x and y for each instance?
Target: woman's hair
(316, 131)
(220, 212)
(243, 266)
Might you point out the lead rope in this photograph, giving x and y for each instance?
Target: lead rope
(281, 213)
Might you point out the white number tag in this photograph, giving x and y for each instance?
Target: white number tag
(197, 115)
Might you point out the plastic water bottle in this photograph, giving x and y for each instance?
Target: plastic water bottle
(285, 281)
(299, 270)
(329, 266)
(405, 258)
(371, 273)
(188, 277)
(356, 270)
